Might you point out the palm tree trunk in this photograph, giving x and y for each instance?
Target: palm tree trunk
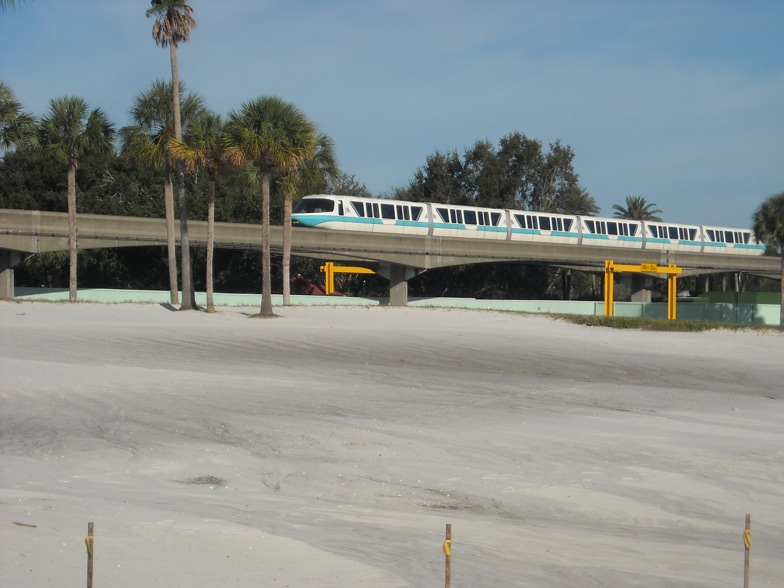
(188, 295)
(72, 246)
(266, 260)
(287, 205)
(168, 199)
(210, 245)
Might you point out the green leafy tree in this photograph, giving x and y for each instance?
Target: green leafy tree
(346, 184)
(147, 142)
(441, 179)
(769, 228)
(203, 147)
(516, 174)
(577, 200)
(556, 178)
(16, 126)
(276, 137)
(173, 23)
(69, 132)
(637, 208)
(305, 179)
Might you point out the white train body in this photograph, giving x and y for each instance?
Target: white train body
(353, 213)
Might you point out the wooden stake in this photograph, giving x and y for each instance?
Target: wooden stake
(747, 543)
(448, 557)
(88, 541)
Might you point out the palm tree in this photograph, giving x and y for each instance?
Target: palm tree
(16, 127)
(147, 143)
(769, 228)
(69, 132)
(203, 147)
(276, 137)
(173, 24)
(305, 179)
(637, 209)
(6, 4)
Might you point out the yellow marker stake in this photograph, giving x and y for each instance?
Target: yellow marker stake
(448, 547)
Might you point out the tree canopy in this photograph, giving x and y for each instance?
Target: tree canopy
(769, 228)
(517, 173)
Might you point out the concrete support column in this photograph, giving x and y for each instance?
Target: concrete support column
(398, 276)
(8, 259)
(398, 286)
(7, 283)
(639, 286)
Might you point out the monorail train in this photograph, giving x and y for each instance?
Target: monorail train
(353, 213)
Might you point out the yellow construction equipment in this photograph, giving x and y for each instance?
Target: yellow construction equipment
(330, 269)
(671, 270)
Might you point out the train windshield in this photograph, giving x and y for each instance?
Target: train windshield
(311, 205)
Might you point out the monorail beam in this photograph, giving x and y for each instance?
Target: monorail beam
(37, 231)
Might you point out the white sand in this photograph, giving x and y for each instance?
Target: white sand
(331, 446)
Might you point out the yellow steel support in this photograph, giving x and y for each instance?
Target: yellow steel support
(330, 269)
(671, 270)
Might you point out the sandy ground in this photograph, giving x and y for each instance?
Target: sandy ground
(331, 446)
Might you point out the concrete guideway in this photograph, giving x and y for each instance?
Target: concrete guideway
(397, 257)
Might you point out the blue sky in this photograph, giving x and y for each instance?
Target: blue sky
(679, 101)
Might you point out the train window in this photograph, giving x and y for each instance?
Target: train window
(470, 217)
(444, 214)
(368, 209)
(591, 226)
(567, 224)
(340, 208)
(633, 230)
(692, 234)
(729, 237)
(612, 228)
(358, 208)
(315, 205)
(533, 222)
(376, 211)
(544, 223)
(388, 211)
(520, 220)
(455, 216)
(416, 211)
(407, 213)
(399, 208)
(746, 238)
